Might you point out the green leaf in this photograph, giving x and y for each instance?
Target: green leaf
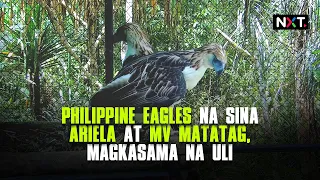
(25, 91)
(316, 51)
(316, 63)
(317, 75)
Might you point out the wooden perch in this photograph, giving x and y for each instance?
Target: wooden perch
(243, 51)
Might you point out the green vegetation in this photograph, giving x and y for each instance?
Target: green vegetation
(51, 55)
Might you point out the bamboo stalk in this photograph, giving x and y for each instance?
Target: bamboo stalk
(2, 15)
(62, 37)
(73, 13)
(100, 36)
(11, 14)
(243, 51)
(60, 30)
(22, 37)
(154, 7)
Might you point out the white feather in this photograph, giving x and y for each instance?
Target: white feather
(193, 76)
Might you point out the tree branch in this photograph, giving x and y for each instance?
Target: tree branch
(98, 40)
(243, 51)
(73, 13)
(63, 39)
(60, 30)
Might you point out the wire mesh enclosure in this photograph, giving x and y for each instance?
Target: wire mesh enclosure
(58, 53)
(52, 55)
(272, 70)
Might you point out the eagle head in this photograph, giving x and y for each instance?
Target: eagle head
(135, 37)
(213, 56)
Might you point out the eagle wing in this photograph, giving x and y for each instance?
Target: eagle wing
(155, 80)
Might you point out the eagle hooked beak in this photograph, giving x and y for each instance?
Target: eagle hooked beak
(219, 72)
(218, 66)
(115, 39)
(118, 36)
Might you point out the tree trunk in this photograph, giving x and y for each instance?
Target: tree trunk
(92, 27)
(167, 12)
(304, 97)
(37, 86)
(304, 101)
(37, 93)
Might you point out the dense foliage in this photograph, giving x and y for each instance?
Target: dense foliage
(51, 55)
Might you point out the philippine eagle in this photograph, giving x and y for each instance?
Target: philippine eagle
(149, 79)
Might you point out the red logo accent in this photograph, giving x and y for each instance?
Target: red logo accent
(289, 22)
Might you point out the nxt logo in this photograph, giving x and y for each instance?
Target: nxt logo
(290, 22)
